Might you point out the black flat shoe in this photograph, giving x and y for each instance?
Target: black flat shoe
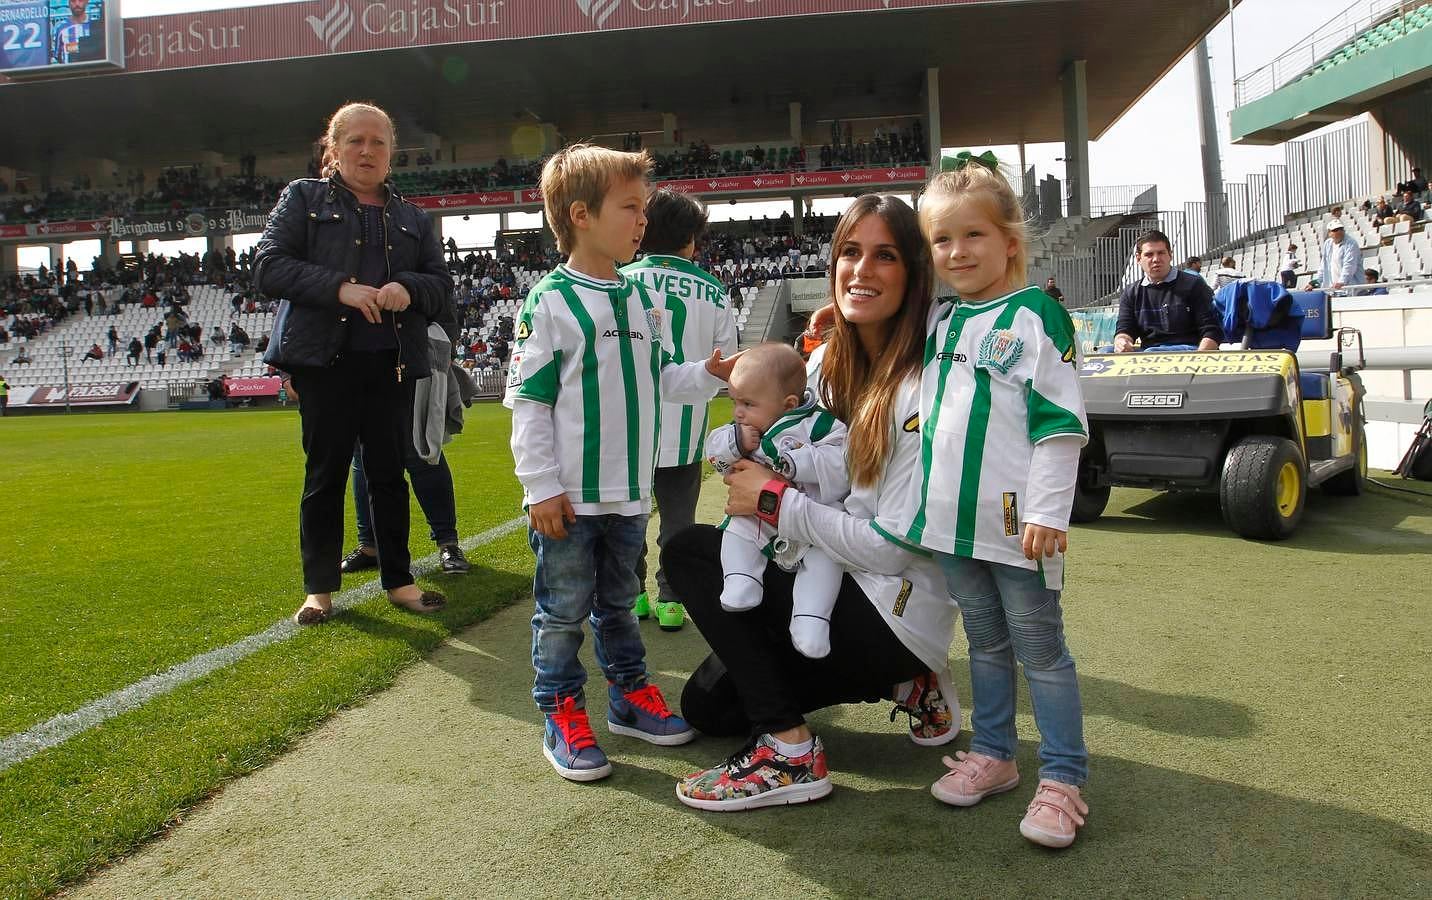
(453, 560)
(357, 561)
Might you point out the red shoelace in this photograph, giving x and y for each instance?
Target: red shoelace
(649, 700)
(576, 730)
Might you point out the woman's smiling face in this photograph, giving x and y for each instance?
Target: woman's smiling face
(870, 275)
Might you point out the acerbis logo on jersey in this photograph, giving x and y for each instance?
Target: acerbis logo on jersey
(623, 333)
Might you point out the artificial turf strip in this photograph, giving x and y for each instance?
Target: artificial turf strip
(1256, 715)
(203, 507)
(78, 805)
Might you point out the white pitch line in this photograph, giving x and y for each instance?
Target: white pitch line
(17, 748)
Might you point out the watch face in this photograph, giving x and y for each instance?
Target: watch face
(767, 502)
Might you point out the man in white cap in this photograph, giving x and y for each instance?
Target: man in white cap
(1342, 259)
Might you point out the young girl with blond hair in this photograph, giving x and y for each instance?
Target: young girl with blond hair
(1002, 423)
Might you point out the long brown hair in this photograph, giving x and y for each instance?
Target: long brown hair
(861, 391)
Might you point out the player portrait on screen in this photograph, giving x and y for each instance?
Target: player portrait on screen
(78, 31)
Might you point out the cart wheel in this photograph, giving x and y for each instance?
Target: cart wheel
(1089, 500)
(1263, 488)
(1349, 483)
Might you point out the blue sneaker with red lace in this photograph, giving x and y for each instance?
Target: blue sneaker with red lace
(642, 713)
(570, 746)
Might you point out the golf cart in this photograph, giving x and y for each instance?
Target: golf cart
(1247, 424)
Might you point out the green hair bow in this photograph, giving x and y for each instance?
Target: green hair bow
(964, 158)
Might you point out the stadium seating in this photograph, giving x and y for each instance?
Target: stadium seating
(1385, 32)
(1399, 252)
(209, 307)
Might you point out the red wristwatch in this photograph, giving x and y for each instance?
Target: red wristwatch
(768, 504)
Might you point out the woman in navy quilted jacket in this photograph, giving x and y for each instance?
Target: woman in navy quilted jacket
(360, 273)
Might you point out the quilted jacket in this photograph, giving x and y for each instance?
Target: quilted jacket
(311, 245)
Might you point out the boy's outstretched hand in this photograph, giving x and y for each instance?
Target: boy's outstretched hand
(550, 517)
(721, 367)
(821, 320)
(1040, 540)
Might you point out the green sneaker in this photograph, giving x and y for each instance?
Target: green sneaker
(642, 606)
(670, 616)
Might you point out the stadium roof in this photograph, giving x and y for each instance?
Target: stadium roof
(729, 81)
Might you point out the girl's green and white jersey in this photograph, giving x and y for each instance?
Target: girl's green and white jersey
(999, 377)
(696, 320)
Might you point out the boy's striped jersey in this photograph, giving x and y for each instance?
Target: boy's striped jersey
(696, 319)
(591, 350)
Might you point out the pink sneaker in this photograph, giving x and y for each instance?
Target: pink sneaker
(973, 777)
(1054, 815)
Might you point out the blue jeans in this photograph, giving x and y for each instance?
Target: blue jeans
(591, 574)
(432, 485)
(1009, 615)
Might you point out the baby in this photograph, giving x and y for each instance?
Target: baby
(778, 424)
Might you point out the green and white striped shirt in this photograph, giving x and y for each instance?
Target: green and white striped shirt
(586, 380)
(697, 320)
(999, 377)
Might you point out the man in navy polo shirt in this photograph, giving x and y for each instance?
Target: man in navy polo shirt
(1169, 307)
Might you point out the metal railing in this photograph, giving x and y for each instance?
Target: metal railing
(1313, 49)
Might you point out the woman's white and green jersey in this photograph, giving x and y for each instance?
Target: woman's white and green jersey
(999, 378)
(586, 379)
(697, 320)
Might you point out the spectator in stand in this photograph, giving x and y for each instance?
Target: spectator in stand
(1417, 184)
(354, 339)
(94, 352)
(151, 340)
(1411, 209)
(161, 356)
(1342, 259)
(1226, 273)
(1289, 272)
(1052, 289)
(1168, 307)
(1194, 266)
(134, 350)
(113, 336)
(22, 358)
(1372, 276)
(1383, 214)
(238, 338)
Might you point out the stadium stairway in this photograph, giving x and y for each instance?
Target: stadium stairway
(754, 320)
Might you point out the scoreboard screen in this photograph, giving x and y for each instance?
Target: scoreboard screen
(45, 37)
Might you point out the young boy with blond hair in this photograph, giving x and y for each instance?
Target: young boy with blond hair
(588, 374)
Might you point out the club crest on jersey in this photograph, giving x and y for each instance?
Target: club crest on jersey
(653, 321)
(1001, 350)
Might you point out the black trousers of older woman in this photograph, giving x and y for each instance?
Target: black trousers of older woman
(755, 681)
(357, 400)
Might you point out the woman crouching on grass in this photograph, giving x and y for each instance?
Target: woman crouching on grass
(893, 620)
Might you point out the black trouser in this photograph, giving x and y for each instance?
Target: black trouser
(767, 685)
(676, 489)
(357, 399)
